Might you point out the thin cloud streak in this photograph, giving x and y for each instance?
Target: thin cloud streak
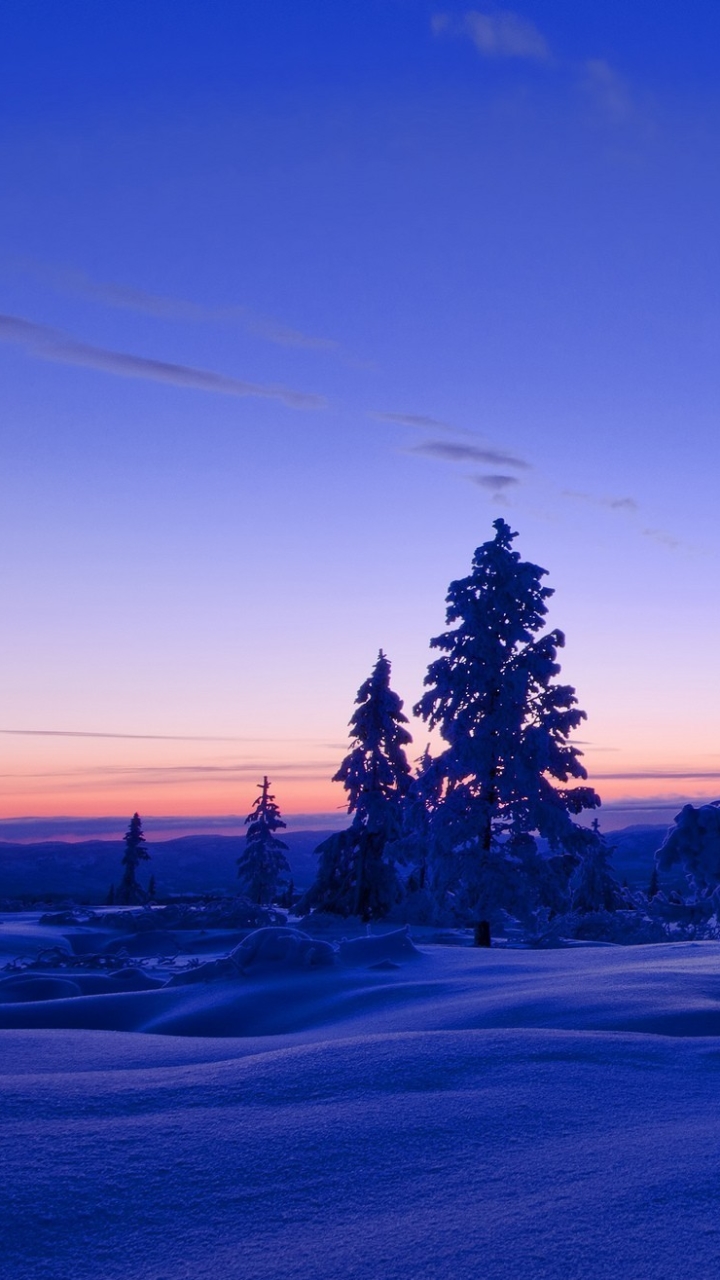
(612, 504)
(420, 421)
(49, 344)
(127, 737)
(450, 451)
(183, 772)
(120, 779)
(665, 539)
(495, 484)
(163, 307)
(627, 505)
(137, 737)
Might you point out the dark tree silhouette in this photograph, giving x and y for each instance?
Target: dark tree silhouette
(130, 891)
(593, 887)
(263, 868)
(356, 875)
(506, 725)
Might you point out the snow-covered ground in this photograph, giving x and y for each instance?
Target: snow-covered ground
(379, 1111)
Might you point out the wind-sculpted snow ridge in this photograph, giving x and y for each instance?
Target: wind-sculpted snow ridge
(371, 1108)
(279, 981)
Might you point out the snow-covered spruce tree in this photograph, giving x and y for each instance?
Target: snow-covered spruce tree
(506, 726)
(130, 892)
(593, 887)
(694, 843)
(263, 868)
(356, 873)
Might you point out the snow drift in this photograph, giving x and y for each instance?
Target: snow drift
(400, 1110)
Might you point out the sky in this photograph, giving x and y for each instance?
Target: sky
(295, 301)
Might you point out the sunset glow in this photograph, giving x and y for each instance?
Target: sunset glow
(289, 317)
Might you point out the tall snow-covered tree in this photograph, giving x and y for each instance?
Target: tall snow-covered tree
(130, 891)
(263, 868)
(506, 725)
(356, 873)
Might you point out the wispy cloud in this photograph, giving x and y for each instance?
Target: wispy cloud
(127, 737)
(501, 34)
(282, 336)
(50, 344)
(183, 772)
(496, 485)
(135, 737)
(420, 421)
(627, 506)
(451, 451)
(163, 307)
(119, 777)
(665, 539)
(607, 90)
(612, 504)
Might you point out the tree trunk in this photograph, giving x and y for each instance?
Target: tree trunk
(482, 933)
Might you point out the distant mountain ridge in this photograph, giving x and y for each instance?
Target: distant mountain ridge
(85, 869)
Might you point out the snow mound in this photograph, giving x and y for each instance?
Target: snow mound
(274, 948)
(21, 989)
(289, 947)
(378, 949)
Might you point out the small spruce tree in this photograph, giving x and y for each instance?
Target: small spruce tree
(263, 868)
(130, 892)
(593, 887)
(356, 874)
(506, 725)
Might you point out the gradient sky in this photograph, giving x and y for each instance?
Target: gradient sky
(297, 298)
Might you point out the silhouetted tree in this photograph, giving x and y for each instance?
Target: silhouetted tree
(152, 888)
(356, 874)
(654, 885)
(130, 891)
(262, 866)
(506, 726)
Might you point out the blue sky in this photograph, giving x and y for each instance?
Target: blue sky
(296, 300)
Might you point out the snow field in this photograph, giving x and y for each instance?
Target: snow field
(464, 1113)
